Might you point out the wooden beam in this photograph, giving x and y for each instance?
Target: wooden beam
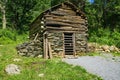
(50, 52)
(36, 37)
(64, 17)
(66, 29)
(80, 21)
(63, 47)
(74, 51)
(45, 46)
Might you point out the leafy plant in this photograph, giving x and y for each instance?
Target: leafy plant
(105, 36)
(8, 36)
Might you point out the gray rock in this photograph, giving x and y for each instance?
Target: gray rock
(36, 53)
(41, 75)
(29, 54)
(17, 60)
(22, 54)
(12, 69)
(29, 48)
(24, 50)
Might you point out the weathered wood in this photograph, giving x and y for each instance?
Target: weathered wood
(80, 21)
(64, 17)
(45, 47)
(44, 50)
(66, 10)
(63, 45)
(50, 52)
(66, 28)
(69, 12)
(72, 31)
(74, 52)
(62, 13)
(60, 23)
(36, 37)
(58, 14)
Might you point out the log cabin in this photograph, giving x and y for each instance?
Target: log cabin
(63, 30)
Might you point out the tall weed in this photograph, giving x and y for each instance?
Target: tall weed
(8, 36)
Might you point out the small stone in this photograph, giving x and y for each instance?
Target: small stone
(1, 45)
(36, 53)
(17, 60)
(29, 54)
(12, 69)
(105, 48)
(0, 55)
(41, 75)
(22, 54)
(39, 56)
(24, 50)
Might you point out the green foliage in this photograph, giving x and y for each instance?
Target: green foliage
(41, 6)
(19, 14)
(10, 36)
(105, 36)
(79, 3)
(116, 36)
(55, 2)
(103, 13)
(7, 36)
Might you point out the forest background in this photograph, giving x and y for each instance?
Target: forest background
(103, 18)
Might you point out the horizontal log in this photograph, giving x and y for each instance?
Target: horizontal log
(59, 14)
(68, 26)
(67, 8)
(66, 11)
(64, 17)
(74, 29)
(62, 13)
(67, 18)
(71, 21)
(61, 23)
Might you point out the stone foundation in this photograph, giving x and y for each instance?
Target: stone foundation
(56, 41)
(30, 49)
(80, 43)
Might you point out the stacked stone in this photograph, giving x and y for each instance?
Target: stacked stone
(94, 47)
(81, 42)
(56, 40)
(30, 49)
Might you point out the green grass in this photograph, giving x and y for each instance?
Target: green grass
(116, 54)
(30, 67)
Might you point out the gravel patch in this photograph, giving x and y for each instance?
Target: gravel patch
(107, 68)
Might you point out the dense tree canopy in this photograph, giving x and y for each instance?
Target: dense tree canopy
(101, 13)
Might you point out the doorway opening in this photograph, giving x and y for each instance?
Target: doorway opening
(68, 44)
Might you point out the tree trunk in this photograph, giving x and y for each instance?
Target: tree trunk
(3, 16)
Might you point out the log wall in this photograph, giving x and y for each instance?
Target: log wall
(58, 21)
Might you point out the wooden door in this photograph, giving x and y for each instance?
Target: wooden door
(68, 44)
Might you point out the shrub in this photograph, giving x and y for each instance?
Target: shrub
(105, 36)
(7, 36)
